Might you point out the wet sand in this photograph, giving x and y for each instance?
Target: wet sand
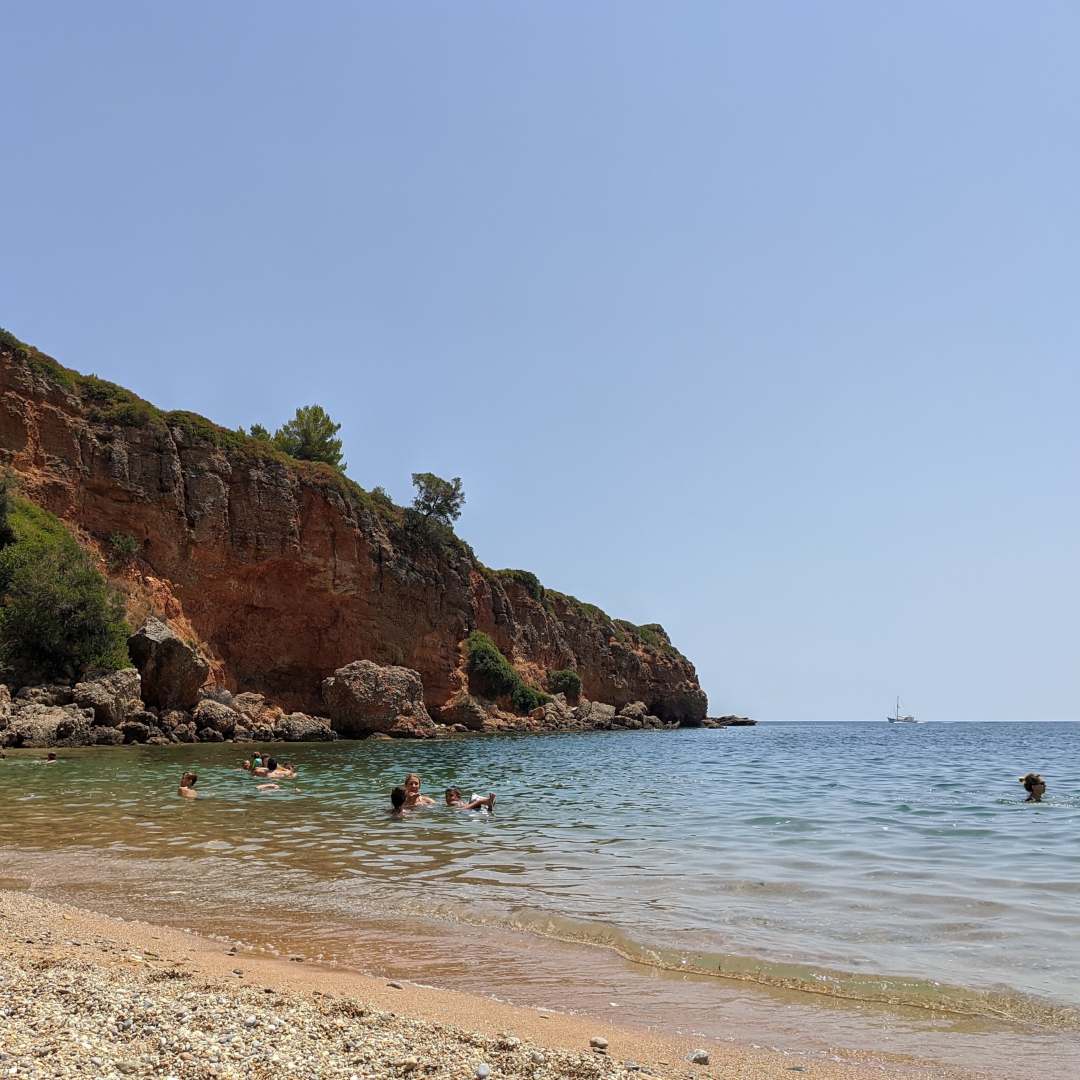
(232, 1002)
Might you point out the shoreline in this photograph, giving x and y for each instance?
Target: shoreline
(47, 945)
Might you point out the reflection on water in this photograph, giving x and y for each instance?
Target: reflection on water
(847, 859)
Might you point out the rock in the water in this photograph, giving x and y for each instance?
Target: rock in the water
(113, 697)
(172, 671)
(636, 710)
(105, 736)
(220, 718)
(466, 711)
(134, 732)
(364, 697)
(595, 714)
(299, 727)
(207, 734)
(48, 725)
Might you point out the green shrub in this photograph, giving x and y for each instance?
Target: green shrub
(123, 547)
(566, 682)
(59, 619)
(495, 675)
(526, 579)
(525, 698)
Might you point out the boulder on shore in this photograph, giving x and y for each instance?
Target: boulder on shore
(212, 715)
(464, 711)
(172, 671)
(364, 698)
(114, 697)
(49, 725)
(299, 727)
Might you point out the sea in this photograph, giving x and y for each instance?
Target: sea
(811, 887)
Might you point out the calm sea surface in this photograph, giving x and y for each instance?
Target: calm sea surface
(862, 862)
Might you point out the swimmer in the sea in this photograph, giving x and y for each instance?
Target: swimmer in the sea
(397, 802)
(267, 787)
(1034, 785)
(456, 800)
(413, 798)
(50, 758)
(187, 786)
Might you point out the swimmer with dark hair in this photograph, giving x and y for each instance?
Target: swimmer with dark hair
(397, 802)
(1034, 785)
(187, 786)
(456, 800)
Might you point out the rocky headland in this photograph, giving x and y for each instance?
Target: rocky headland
(276, 599)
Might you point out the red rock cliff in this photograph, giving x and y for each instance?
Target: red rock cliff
(285, 571)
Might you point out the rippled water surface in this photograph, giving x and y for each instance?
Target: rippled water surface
(864, 861)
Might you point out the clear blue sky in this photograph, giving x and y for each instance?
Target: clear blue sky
(758, 320)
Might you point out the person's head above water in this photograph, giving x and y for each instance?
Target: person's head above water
(397, 798)
(51, 755)
(412, 783)
(1034, 785)
(188, 779)
(453, 795)
(271, 763)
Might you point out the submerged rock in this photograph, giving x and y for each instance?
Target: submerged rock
(172, 671)
(363, 698)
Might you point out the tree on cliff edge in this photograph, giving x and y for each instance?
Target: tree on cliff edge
(437, 498)
(311, 436)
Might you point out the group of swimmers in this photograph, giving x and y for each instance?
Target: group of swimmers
(269, 769)
(409, 797)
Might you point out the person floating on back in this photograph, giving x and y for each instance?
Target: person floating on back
(187, 786)
(1034, 785)
(455, 799)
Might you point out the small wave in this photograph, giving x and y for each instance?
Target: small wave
(1003, 1005)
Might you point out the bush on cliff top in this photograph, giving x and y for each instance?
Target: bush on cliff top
(59, 619)
(495, 675)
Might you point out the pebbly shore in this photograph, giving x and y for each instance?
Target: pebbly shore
(84, 995)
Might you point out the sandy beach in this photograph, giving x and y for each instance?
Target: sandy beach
(87, 995)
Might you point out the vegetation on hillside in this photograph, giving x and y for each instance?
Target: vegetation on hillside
(308, 445)
(309, 436)
(59, 618)
(496, 677)
(566, 682)
(438, 499)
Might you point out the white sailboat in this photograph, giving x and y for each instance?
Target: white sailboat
(896, 718)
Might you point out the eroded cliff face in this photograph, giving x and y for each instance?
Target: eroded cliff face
(283, 573)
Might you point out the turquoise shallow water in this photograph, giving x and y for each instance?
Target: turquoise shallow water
(862, 861)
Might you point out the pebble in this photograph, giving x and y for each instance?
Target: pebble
(396, 985)
(698, 1057)
(110, 1018)
(598, 1043)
